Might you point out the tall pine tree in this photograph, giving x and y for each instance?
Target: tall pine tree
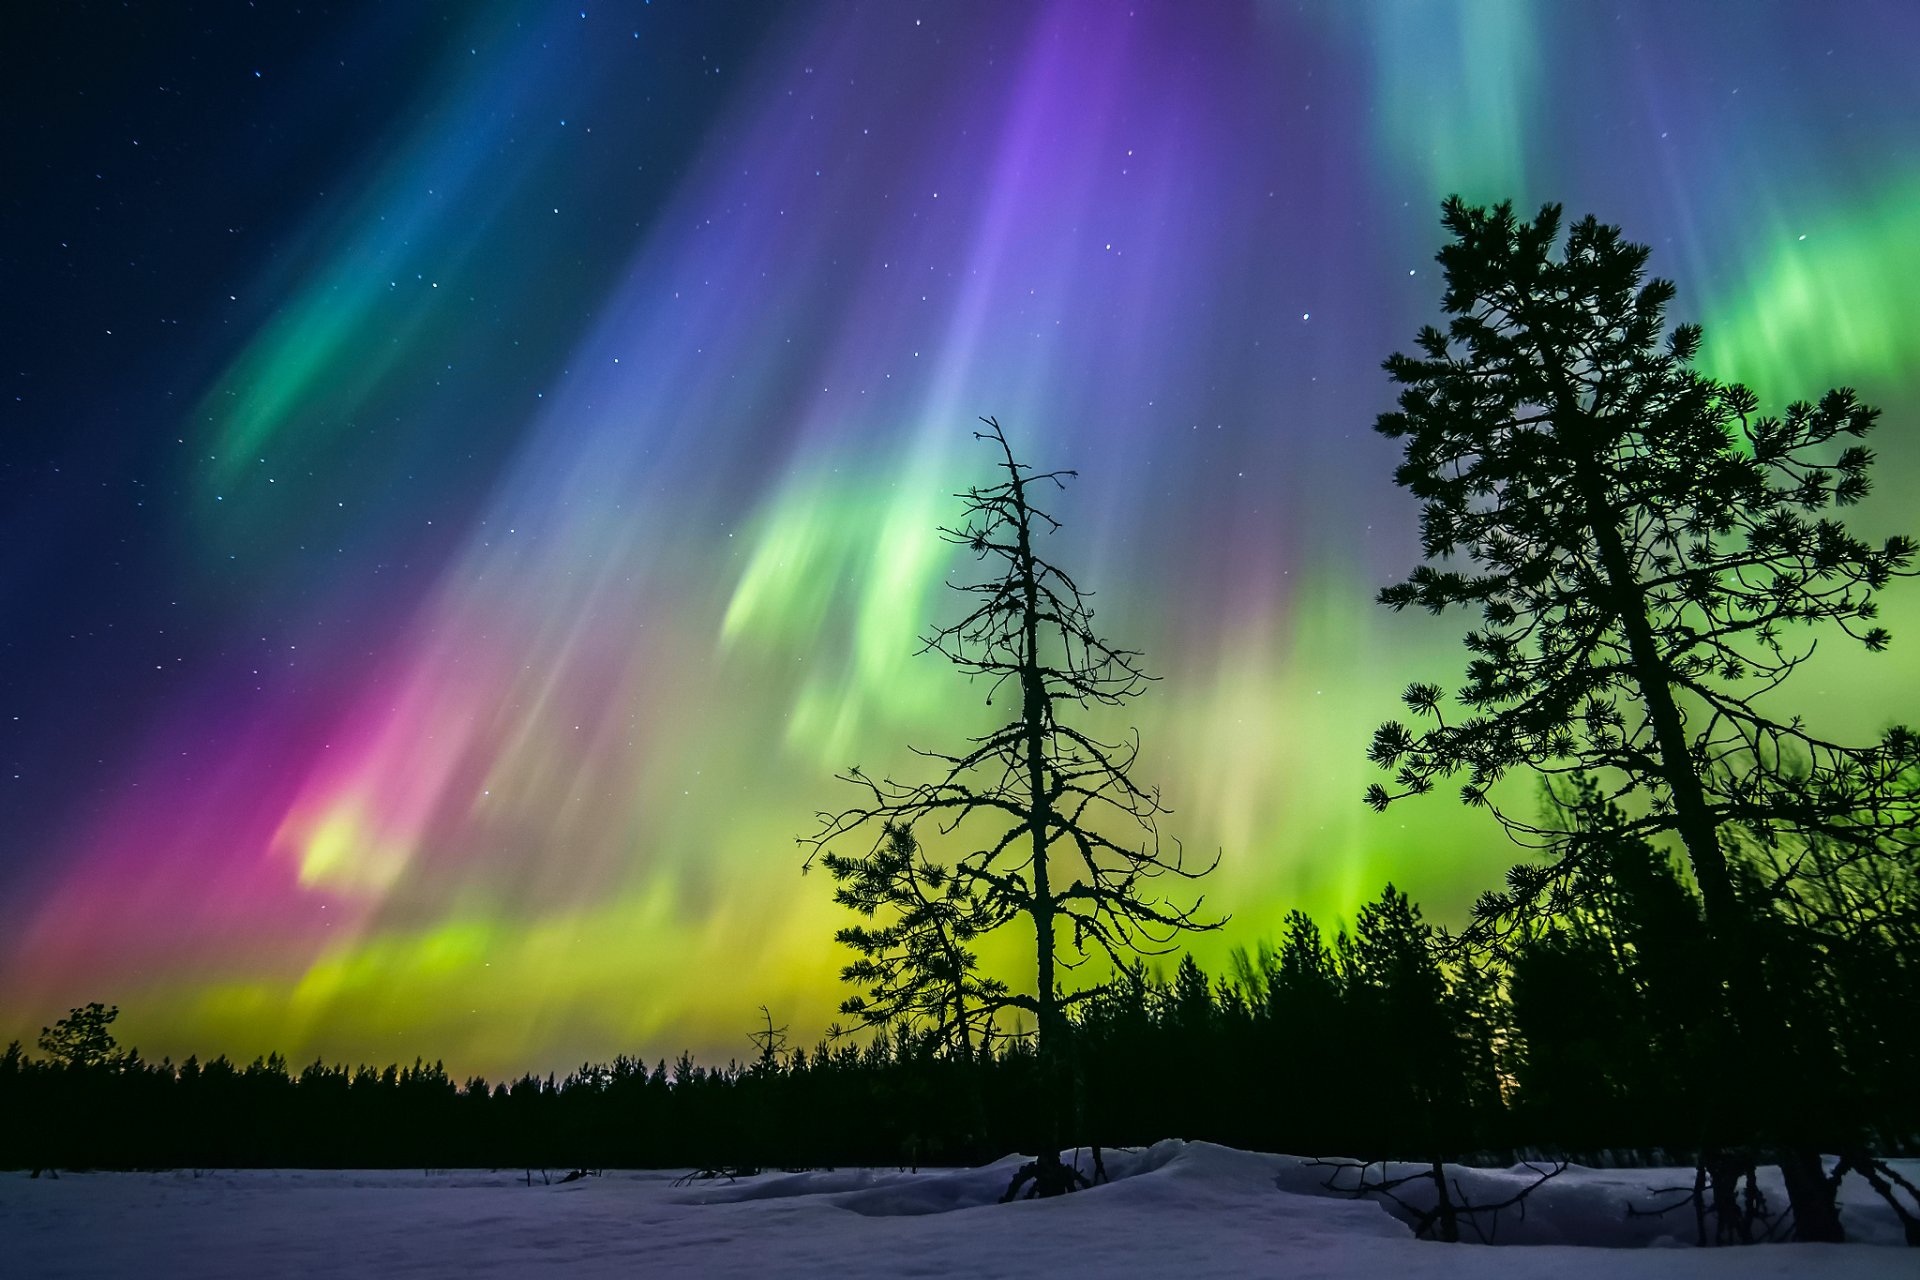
(1651, 561)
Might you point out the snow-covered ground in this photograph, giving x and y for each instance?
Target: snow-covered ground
(1178, 1209)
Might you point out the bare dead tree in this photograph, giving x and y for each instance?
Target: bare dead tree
(770, 1040)
(1057, 832)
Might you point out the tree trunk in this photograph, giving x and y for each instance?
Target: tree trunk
(1815, 1215)
(1449, 1216)
(1034, 715)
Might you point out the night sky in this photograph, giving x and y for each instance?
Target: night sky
(469, 475)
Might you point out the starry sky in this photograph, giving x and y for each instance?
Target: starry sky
(469, 474)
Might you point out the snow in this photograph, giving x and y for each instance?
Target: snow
(1176, 1209)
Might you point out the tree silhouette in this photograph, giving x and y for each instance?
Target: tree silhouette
(1051, 799)
(81, 1039)
(769, 1040)
(1605, 1003)
(1649, 559)
(918, 969)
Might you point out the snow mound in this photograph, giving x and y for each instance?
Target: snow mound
(1604, 1208)
(875, 1192)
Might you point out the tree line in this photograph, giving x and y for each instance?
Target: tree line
(1360, 1041)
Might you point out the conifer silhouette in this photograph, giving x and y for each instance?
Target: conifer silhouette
(1650, 560)
(918, 969)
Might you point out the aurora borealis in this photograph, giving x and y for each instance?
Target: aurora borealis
(472, 474)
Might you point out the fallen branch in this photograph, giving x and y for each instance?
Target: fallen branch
(713, 1173)
(1883, 1178)
(1442, 1221)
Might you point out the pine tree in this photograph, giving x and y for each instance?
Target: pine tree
(1650, 560)
(1069, 842)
